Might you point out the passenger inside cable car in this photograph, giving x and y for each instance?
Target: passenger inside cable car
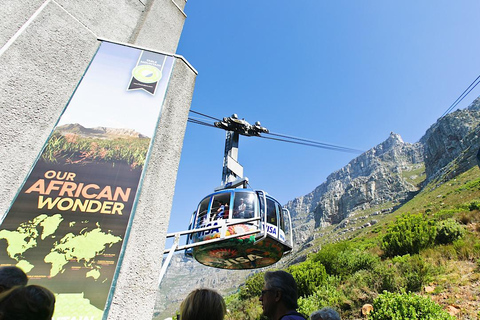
(244, 206)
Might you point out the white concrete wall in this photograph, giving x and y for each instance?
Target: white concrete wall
(45, 48)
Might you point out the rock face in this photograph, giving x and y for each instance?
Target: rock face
(378, 176)
(451, 144)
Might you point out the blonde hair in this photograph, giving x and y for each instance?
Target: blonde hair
(203, 304)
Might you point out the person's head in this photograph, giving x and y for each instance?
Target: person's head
(279, 293)
(203, 304)
(10, 277)
(326, 313)
(28, 303)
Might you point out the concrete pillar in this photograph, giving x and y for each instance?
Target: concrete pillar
(45, 48)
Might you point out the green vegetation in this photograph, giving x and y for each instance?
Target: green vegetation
(395, 306)
(72, 148)
(408, 235)
(448, 231)
(433, 240)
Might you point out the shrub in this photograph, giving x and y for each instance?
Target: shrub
(414, 270)
(448, 231)
(249, 309)
(400, 306)
(474, 205)
(326, 295)
(467, 248)
(353, 260)
(253, 286)
(408, 235)
(446, 213)
(309, 275)
(343, 259)
(386, 277)
(328, 256)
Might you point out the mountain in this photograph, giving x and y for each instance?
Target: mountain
(99, 132)
(375, 183)
(391, 173)
(383, 174)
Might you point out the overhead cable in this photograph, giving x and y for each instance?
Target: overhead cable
(202, 114)
(332, 147)
(282, 137)
(315, 143)
(203, 123)
(462, 96)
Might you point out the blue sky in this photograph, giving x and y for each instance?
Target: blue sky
(341, 72)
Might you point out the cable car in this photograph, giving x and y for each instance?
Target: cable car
(240, 229)
(236, 227)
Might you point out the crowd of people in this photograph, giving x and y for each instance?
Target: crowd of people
(278, 297)
(20, 301)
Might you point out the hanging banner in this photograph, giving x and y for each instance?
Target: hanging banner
(67, 225)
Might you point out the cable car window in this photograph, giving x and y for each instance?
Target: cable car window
(243, 206)
(271, 212)
(221, 206)
(280, 212)
(262, 205)
(202, 211)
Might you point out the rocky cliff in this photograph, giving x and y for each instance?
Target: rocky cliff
(383, 174)
(388, 174)
(451, 144)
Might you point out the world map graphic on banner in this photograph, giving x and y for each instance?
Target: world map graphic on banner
(84, 247)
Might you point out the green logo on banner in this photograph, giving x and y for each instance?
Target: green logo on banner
(146, 73)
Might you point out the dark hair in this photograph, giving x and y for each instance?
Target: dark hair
(284, 282)
(11, 276)
(203, 304)
(28, 303)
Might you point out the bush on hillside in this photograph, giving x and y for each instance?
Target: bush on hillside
(309, 275)
(328, 256)
(400, 306)
(448, 231)
(327, 294)
(408, 235)
(252, 287)
(474, 205)
(447, 213)
(343, 259)
(414, 271)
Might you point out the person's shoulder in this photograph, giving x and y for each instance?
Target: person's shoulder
(293, 316)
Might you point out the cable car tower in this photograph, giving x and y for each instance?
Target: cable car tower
(236, 227)
(232, 174)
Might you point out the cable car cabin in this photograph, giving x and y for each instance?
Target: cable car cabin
(235, 233)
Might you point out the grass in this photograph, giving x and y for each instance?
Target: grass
(72, 148)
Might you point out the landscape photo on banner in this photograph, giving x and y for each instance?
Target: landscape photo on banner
(67, 224)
